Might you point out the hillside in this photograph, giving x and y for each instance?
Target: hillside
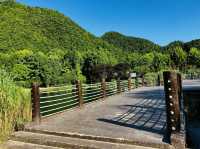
(24, 27)
(42, 45)
(128, 43)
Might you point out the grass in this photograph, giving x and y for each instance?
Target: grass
(14, 106)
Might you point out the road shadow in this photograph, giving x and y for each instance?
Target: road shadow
(147, 114)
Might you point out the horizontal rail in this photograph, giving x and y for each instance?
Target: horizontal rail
(55, 91)
(92, 89)
(56, 104)
(60, 95)
(98, 97)
(58, 108)
(92, 95)
(49, 101)
(86, 93)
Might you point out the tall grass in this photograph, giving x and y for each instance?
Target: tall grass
(14, 105)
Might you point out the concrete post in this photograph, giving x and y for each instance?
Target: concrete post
(172, 101)
(173, 94)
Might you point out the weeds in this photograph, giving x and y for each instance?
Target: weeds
(14, 105)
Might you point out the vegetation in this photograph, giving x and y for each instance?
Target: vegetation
(14, 105)
(43, 45)
(128, 43)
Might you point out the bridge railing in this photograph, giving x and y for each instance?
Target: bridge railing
(174, 105)
(53, 100)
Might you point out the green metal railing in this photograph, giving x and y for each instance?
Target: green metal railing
(57, 99)
(91, 92)
(52, 100)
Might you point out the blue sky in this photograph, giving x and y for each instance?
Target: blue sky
(161, 21)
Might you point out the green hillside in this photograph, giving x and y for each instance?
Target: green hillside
(128, 43)
(42, 29)
(38, 44)
(43, 45)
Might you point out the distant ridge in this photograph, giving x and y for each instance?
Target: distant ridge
(129, 43)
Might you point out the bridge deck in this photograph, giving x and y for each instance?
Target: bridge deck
(137, 115)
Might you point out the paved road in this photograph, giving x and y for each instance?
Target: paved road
(137, 115)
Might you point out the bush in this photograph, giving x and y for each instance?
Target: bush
(151, 79)
(192, 73)
(14, 105)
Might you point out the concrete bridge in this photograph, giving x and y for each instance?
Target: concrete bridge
(133, 119)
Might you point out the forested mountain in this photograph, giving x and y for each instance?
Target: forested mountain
(194, 43)
(185, 45)
(43, 45)
(42, 29)
(128, 43)
(39, 44)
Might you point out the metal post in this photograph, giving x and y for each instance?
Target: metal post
(79, 92)
(172, 102)
(103, 87)
(35, 103)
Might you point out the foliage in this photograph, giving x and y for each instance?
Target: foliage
(178, 57)
(129, 43)
(14, 105)
(151, 79)
(43, 45)
(194, 57)
(192, 73)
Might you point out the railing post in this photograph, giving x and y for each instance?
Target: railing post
(158, 80)
(103, 87)
(179, 79)
(142, 80)
(129, 84)
(119, 90)
(79, 92)
(136, 82)
(171, 86)
(35, 103)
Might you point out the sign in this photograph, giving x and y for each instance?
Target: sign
(132, 75)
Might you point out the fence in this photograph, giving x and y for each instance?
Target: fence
(52, 100)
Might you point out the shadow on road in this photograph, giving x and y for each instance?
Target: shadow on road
(147, 114)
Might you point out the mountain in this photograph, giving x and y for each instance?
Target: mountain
(128, 43)
(194, 43)
(184, 45)
(24, 27)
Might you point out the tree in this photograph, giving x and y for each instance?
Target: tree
(194, 57)
(178, 57)
(160, 61)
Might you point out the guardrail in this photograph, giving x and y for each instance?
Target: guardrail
(53, 100)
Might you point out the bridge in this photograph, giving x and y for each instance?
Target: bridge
(135, 118)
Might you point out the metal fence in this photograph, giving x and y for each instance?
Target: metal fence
(52, 100)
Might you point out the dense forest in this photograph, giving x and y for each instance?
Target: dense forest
(39, 44)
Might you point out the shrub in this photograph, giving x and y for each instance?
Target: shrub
(151, 78)
(14, 105)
